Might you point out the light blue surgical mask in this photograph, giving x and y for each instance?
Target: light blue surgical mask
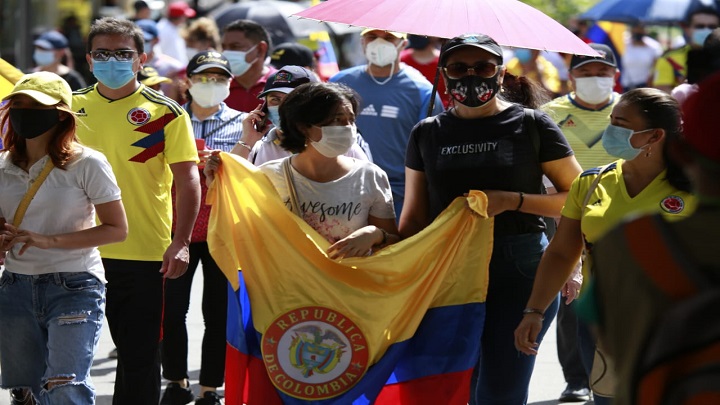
(238, 64)
(699, 36)
(113, 73)
(523, 55)
(43, 58)
(274, 115)
(616, 141)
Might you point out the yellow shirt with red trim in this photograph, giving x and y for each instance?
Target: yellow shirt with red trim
(610, 202)
(583, 128)
(141, 135)
(671, 68)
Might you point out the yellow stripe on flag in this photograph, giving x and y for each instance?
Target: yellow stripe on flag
(9, 75)
(285, 266)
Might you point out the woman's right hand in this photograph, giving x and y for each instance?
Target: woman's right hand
(212, 166)
(527, 332)
(250, 134)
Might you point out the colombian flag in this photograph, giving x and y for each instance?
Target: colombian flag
(399, 327)
(9, 74)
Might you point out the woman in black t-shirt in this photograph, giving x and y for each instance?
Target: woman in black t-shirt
(484, 144)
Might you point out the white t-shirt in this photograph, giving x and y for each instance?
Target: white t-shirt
(337, 208)
(64, 203)
(638, 64)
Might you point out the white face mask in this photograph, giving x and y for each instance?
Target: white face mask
(336, 140)
(380, 52)
(594, 90)
(238, 65)
(209, 94)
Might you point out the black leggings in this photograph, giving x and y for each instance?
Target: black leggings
(214, 309)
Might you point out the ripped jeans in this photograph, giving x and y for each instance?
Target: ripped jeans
(50, 328)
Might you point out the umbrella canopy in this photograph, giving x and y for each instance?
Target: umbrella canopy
(645, 11)
(273, 16)
(509, 22)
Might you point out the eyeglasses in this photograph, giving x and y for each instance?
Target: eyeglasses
(120, 54)
(209, 79)
(702, 26)
(483, 69)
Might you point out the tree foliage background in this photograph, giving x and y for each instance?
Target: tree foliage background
(561, 10)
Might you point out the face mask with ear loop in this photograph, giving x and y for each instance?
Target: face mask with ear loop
(380, 52)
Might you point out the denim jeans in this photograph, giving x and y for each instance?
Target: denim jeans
(502, 375)
(55, 321)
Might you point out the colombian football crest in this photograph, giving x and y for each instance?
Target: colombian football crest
(138, 116)
(314, 353)
(672, 204)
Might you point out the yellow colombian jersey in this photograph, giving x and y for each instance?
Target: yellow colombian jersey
(141, 135)
(610, 203)
(583, 128)
(671, 68)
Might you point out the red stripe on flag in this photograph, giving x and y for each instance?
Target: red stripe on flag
(240, 367)
(450, 389)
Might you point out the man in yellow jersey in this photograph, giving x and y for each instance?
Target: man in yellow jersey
(583, 115)
(148, 140)
(671, 68)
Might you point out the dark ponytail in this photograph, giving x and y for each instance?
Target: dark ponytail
(524, 91)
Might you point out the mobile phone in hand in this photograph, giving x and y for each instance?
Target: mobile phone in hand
(262, 124)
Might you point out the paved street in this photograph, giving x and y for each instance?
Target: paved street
(547, 382)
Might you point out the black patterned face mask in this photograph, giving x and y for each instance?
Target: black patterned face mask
(473, 91)
(30, 123)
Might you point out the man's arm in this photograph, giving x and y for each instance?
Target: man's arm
(187, 203)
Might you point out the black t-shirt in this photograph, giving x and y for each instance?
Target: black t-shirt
(493, 153)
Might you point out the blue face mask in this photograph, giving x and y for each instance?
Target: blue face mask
(44, 58)
(274, 116)
(113, 73)
(523, 55)
(699, 36)
(616, 141)
(238, 64)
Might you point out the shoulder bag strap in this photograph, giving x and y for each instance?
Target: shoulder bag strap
(294, 206)
(594, 185)
(27, 198)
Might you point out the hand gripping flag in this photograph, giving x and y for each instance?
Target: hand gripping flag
(399, 327)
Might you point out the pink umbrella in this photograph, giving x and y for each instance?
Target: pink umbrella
(509, 22)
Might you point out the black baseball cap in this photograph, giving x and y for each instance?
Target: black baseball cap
(287, 78)
(292, 53)
(607, 56)
(481, 41)
(206, 60)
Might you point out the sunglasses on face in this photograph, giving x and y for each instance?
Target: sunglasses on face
(483, 69)
(120, 55)
(209, 79)
(703, 26)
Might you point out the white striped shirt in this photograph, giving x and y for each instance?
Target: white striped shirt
(212, 130)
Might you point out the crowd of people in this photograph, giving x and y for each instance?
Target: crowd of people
(544, 136)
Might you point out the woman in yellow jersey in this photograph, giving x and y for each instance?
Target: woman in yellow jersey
(642, 181)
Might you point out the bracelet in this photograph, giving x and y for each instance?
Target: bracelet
(384, 239)
(534, 311)
(244, 145)
(522, 199)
